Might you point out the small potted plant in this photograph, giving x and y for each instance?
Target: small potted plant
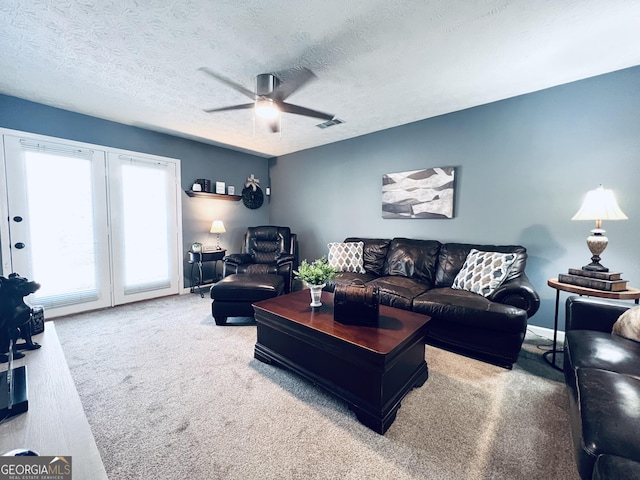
(315, 275)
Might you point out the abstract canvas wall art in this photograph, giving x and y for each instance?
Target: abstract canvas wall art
(424, 193)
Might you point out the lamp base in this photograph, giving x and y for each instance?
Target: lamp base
(595, 267)
(597, 242)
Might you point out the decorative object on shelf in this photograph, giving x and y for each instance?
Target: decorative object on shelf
(217, 227)
(220, 188)
(37, 320)
(316, 275)
(424, 193)
(196, 187)
(234, 198)
(205, 185)
(252, 196)
(15, 316)
(196, 247)
(231, 190)
(599, 204)
(605, 281)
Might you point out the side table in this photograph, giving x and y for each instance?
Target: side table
(630, 293)
(198, 258)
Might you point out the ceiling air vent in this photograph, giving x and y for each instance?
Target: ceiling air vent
(330, 123)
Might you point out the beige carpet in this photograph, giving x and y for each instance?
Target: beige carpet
(170, 395)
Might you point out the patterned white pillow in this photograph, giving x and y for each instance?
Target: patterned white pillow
(346, 257)
(628, 325)
(483, 272)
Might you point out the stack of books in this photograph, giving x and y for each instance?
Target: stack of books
(606, 281)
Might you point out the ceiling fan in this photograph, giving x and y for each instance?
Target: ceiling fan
(270, 95)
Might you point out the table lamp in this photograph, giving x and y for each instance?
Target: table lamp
(599, 204)
(217, 227)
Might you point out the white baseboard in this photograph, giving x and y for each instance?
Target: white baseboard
(547, 333)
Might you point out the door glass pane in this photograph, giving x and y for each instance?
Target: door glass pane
(145, 227)
(62, 244)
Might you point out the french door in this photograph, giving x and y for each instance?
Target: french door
(95, 228)
(144, 224)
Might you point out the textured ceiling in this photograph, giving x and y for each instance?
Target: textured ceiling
(379, 63)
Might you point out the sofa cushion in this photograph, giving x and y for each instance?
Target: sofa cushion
(593, 349)
(414, 259)
(374, 253)
(346, 257)
(628, 325)
(483, 272)
(609, 406)
(466, 308)
(453, 255)
(612, 467)
(398, 291)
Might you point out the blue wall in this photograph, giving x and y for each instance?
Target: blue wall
(198, 160)
(523, 166)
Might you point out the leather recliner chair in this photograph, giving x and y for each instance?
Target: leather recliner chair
(267, 249)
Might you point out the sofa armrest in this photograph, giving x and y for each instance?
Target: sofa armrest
(238, 258)
(285, 258)
(285, 263)
(592, 314)
(518, 292)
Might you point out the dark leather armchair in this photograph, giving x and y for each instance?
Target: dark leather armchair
(266, 250)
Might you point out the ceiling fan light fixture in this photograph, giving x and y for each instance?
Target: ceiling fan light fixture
(267, 109)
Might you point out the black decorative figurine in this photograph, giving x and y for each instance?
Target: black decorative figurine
(15, 317)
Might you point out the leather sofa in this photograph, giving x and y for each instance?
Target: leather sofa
(266, 250)
(417, 275)
(602, 373)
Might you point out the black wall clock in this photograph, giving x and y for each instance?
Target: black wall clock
(252, 198)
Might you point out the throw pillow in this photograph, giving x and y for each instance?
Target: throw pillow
(483, 272)
(628, 324)
(346, 257)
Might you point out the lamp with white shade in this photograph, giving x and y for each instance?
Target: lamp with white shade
(217, 227)
(599, 204)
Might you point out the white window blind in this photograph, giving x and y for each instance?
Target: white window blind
(62, 241)
(146, 225)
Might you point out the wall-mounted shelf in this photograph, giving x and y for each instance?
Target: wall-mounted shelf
(233, 198)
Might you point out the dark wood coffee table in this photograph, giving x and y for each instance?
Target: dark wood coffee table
(371, 368)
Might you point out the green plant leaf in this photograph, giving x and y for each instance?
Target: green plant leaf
(315, 273)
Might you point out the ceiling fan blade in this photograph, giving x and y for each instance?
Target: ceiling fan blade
(307, 112)
(233, 107)
(229, 83)
(296, 82)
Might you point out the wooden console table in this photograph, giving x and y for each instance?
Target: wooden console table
(55, 424)
(630, 293)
